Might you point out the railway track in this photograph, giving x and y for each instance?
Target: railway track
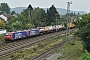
(6, 51)
(48, 52)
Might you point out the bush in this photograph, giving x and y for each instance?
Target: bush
(84, 31)
(85, 56)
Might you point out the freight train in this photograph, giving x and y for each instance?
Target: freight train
(15, 35)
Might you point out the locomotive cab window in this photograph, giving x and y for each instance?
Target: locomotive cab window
(8, 34)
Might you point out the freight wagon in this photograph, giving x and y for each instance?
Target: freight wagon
(41, 30)
(34, 32)
(71, 25)
(46, 29)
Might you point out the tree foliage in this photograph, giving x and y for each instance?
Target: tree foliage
(27, 11)
(30, 18)
(13, 12)
(72, 14)
(84, 31)
(52, 15)
(17, 23)
(5, 8)
(38, 17)
(85, 56)
(30, 7)
(2, 24)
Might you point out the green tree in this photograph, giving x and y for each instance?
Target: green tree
(52, 15)
(38, 17)
(30, 7)
(17, 23)
(84, 31)
(27, 13)
(5, 8)
(13, 12)
(8, 25)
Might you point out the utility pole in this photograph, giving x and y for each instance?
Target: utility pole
(29, 11)
(56, 21)
(56, 24)
(68, 21)
(29, 15)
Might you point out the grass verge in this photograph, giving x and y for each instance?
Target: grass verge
(71, 50)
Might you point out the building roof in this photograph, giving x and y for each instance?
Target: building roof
(3, 17)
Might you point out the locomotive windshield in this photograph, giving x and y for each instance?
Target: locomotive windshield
(8, 34)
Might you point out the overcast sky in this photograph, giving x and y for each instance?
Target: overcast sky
(82, 5)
